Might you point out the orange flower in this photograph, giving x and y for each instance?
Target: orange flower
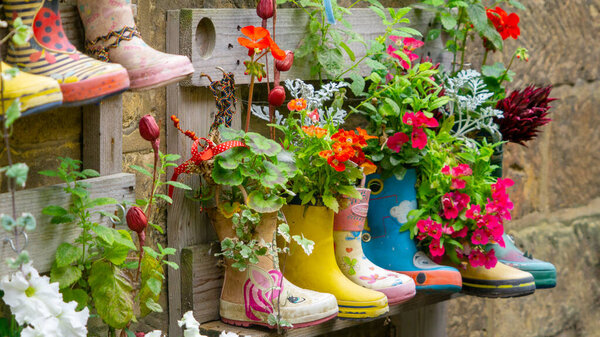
(297, 104)
(368, 167)
(275, 50)
(363, 133)
(314, 131)
(326, 153)
(347, 137)
(343, 151)
(260, 38)
(336, 164)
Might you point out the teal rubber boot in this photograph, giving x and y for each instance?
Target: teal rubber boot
(543, 272)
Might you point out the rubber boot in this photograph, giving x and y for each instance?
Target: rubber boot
(248, 297)
(543, 272)
(111, 35)
(35, 93)
(347, 229)
(500, 281)
(319, 270)
(82, 79)
(384, 244)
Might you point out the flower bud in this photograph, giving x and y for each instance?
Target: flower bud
(286, 63)
(277, 96)
(149, 130)
(264, 9)
(136, 219)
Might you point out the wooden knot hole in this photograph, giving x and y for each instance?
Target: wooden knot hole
(205, 37)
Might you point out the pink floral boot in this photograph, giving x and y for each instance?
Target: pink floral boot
(347, 230)
(111, 35)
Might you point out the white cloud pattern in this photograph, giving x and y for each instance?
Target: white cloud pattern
(400, 212)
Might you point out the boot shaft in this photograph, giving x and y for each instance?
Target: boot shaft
(353, 214)
(100, 17)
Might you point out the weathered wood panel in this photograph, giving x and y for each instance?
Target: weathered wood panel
(47, 237)
(209, 38)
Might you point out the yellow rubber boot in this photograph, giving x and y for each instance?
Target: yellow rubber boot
(320, 271)
(35, 93)
(500, 281)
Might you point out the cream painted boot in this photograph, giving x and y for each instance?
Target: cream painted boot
(111, 35)
(347, 229)
(249, 297)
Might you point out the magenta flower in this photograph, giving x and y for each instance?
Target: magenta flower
(462, 170)
(418, 138)
(474, 212)
(461, 233)
(396, 141)
(436, 230)
(446, 170)
(477, 258)
(436, 249)
(410, 118)
(480, 237)
(490, 259)
(427, 121)
(408, 45)
(458, 184)
(448, 230)
(424, 226)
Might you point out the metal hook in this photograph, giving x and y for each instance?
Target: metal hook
(12, 244)
(222, 70)
(121, 216)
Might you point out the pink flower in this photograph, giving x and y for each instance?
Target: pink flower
(408, 46)
(448, 230)
(461, 233)
(418, 138)
(477, 258)
(314, 116)
(449, 205)
(436, 230)
(436, 249)
(458, 184)
(473, 212)
(480, 237)
(427, 121)
(410, 118)
(424, 226)
(502, 184)
(462, 199)
(500, 241)
(490, 259)
(446, 170)
(396, 141)
(462, 170)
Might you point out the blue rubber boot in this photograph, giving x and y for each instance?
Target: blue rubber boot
(387, 247)
(543, 272)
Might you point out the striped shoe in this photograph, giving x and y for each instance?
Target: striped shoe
(35, 93)
(82, 79)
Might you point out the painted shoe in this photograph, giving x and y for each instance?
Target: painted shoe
(384, 244)
(82, 79)
(111, 35)
(249, 297)
(347, 230)
(500, 281)
(320, 272)
(543, 272)
(35, 93)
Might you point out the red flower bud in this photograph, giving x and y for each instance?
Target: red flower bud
(286, 63)
(264, 9)
(277, 96)
(140, 334)
(149, 130)
(136, 219)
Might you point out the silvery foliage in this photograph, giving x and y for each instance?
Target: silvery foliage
(314, 100)
(468, 93)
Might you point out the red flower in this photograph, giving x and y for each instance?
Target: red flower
(368, 167)
(506, 25)
(427, 121)
(363, 133)
(336, 164)
(458, 184)
(257, 38)
(396, 141)
(149, 130)
(461, 233)
(480, 237)
(418, 138)
(315, 131)
(277, 52)
(347, 137)
(446, 170)
(436, 248)
(136, 219)
(462, 170)
(342, 151)
(473, 212)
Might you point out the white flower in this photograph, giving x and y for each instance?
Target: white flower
(189, 320)
(155, 333)
(192, 332)
(31, 332)
(72, 323)
(31, 297)
(228, 334)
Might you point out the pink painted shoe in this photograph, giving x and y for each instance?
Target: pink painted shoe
(347, 230)
(111, 35)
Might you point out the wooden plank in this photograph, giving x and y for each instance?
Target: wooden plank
(103, 135)
(426, 321)
(47, 237)
(202, 279)
(209, 38)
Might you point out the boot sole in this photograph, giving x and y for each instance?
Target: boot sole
(159, 75)
(362, 311)
(246, 324)
(94, 89)
(498, 288)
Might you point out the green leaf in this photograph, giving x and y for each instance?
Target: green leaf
(284, 230)
(48, 173)
(90, 173)
(65, 276)
(13, 113)
(378, 11)
(171, 157)
(54, 210)
(66, 254)
(151, 283)
(331, 202)
(18, 172)
(273, 176)
(164, 197)
(230, 134)
(100, 202)
(141, 170)
(517, 4)
(105, 233)
(232, 158)
(348, 51)
(171, 264)
(178, 185)
(153, 306)
(358, 83)
(112, 294)
(433, 34)
(349, 191)
(481, 23)
(261, 145)
(123, 238)
(263, 204)
(117, 254)
(306, 244)
(77, 295)
(496, 70)
(7, 222)
(222, 176)
(332, 60)
(67, 218)
(448, 21)
(375, 65)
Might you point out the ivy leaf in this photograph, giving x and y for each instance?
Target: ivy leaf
(112, 294)
(222, 176)
(66, 254)
(306, 244)
(65, 276)
(18, 172)
(261, 145)
(262, 204)
(284, 230)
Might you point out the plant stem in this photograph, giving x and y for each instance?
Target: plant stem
(507, 68)
(464, 48)
(249, 112)
(485, 55)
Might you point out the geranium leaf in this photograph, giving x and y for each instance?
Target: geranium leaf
(230, 134)
(260, 145)
(258, 202)
(223, 176)
(272, 176)
(112, 294)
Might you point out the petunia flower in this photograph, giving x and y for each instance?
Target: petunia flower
(490, 259)
(462, 170)
(396, 141)
(446, 170)
(458, 184)
(480, 237)
(461, 233)
(473, 212)
(418, 138)
(477, 258)
(436, 248)
(408, 45)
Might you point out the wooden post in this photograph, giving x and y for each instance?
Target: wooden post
(103, 135)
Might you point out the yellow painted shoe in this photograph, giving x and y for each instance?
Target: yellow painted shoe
(35, 93)
(500, 281)
(319, 271)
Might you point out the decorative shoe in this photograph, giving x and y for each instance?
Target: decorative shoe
(543, 272)
(82, 79)
(384, 244)
(347, 229)
(320, 272)
(500, 281)
(249, 297)
(111, 35)
(35, 93)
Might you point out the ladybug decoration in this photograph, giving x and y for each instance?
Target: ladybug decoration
(49, 34)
